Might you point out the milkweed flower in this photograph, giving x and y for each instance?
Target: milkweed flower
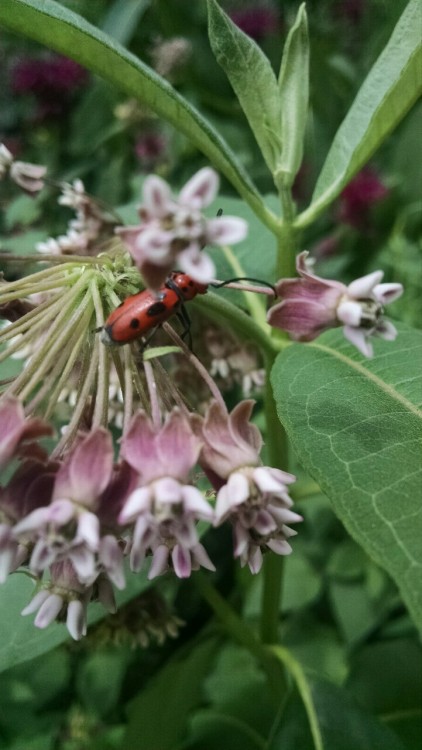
(311, 305)
(26, 175)
(65, 598)
(253, 497)
(165, 507)
(174, 230)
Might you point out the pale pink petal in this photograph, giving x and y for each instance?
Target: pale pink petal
(362, 288)
(350, 312)
(200, 556)
(153, 245)
(231, 495)
(241, 540)
(357, 337)
(185, 533)
(197, 264)
(269, 479)
(196, 504)
(280, 546)
(42, 556)
(226, 230)
(88, 530)
(159, 561)
(35, 521)
(75, 619)
(111, 556)
(138, 446)
(168, 490)
(181, 561)
(48, 611)
(284, 515)
(156, 194)
(84, 563)
(386, 330)
(201, 189)
(138, 502)
(178, 447)
(91, 466)
(60, 512)
(255, 560)
(387, 293)
(264, 523)
(36, 602)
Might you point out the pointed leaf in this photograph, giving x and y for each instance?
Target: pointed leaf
(356, 427)
(252, 77)
(294, 91)
(64, 31)
(392, 86)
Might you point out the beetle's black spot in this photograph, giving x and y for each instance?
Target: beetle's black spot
(184, 288)
(191, 283)
(134, 323)
(156, 309)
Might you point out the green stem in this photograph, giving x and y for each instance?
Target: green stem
(277, 451)
(242, 633)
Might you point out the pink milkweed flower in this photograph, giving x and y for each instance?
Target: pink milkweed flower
(165, 508)
(311, 305)
(28, 176)
(254, 498)
(65, 598)
(16, 429)
(69, 527)
(256, 22)
(174, 230)
(30, 486)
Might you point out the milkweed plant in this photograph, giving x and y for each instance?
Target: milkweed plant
(188, 458)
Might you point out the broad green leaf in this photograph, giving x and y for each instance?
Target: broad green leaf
(158, 715)
(20, 640)
(252, 78)
(356, 427)
(343, 724)
(392, 86)
(294, 91)
(57, 27)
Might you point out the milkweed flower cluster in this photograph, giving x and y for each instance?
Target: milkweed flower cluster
(311, 305)
(73, 521)
(73, 515)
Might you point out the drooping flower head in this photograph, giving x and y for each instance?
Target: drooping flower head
(174, 230)
(311, 305)
(253, 497)
(165, 507)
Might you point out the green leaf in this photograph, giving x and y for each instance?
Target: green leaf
(342, 723)
(356, 427)
(294, 91)
(122, 18)
(57, 27)
(20, 640)
(252, 78)
(158, 715)
(392, 86)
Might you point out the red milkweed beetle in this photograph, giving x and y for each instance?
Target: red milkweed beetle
(141, 313)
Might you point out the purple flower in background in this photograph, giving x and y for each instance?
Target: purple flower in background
(350, 11)
(256, 22)
(150, 148)
(358, 196)
(51, 80)
(311, 305)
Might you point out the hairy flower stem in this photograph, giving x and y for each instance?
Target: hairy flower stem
(277, 446)
(241, 633)
(203, 372)
(100, 416)
(153, 396)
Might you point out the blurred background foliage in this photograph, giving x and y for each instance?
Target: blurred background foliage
(343, 619)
